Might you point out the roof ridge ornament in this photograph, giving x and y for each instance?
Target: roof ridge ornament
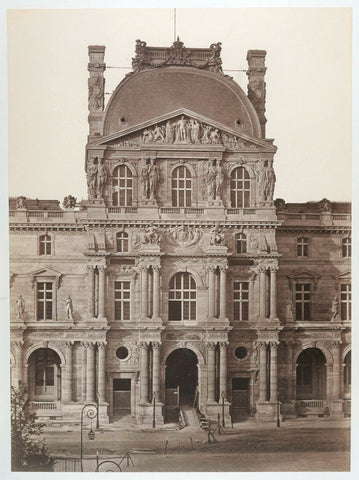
(177, 55)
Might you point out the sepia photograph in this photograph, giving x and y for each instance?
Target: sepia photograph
(179, 223)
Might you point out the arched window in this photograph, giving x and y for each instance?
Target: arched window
(302, 247)
(347, 247)
(45, 245)
(181, 187)
(240, 188)
(122, 186)
(182, 298)
(241, 243)
(121, 242)
(45, 375)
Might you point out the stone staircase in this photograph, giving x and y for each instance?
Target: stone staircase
(190, 416)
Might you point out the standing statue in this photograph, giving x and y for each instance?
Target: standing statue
(271, 182)
(181, 130)
(145, 174)
(214, 136)
(68, 308)
(92, 177)
(101, 178)
(288, 312)
(153, 175)
(95, 96)
(261, 175)
(211, 179)
(20, 307)
(335, 308)
(219, 179)
(169, 138)
(158, 134)
(195, 126)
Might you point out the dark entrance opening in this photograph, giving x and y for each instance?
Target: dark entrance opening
(240, 398)
(182, 372)
(121, 397)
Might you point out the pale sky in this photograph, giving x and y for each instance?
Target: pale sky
(308, 88)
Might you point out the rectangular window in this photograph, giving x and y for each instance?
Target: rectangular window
(347, 248)
(302, 247)
(122, 300)
(44, 300)
(302, 301)
(240, 301)
(345, 302)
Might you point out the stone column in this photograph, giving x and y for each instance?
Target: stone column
(336, 370)
(223, 369)
(67, 381)
(211, 374)
(102, 291)
(211, 295)
(262, 292)
(83, 372)
(289, 360)
(223, 292)
(101, 381)
(90, 372)
(144, 291)
(262, 346)
(156, 370)
(251, 296)
(156, 291)
(91, 292)
(143, 373)
(273, 292)
(17, 371)
(273, 372)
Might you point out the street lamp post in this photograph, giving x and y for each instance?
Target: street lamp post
(92, 412)
(278, 413)
(223, 421)
(154, 411)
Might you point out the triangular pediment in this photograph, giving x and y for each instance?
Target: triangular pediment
(305, 276)
(46, 274)
(181, 128)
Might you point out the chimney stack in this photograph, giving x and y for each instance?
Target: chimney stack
(256, 84)
(96, 87)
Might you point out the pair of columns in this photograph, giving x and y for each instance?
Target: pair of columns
(222, 291)
(272, 294)
(155, 291)
(95, 272)
(211, 370)
(273, 368)
(144, 371)
(88, 375)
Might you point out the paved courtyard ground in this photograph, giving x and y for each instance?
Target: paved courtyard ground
(298, 445)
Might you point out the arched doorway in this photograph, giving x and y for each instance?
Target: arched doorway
(311, 375)
(44, 375)
(347, 374)
(182, 372)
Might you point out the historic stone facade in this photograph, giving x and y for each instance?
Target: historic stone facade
(180, 270)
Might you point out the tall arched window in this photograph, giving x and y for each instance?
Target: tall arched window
(182, 298)
(122, 186)
(45, 375)
(240, 188)
(121, 242)
(181, 187)
(45, 245)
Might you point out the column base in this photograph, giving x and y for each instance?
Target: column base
(336, 409)
(145, 415)
(266, 412)
(288, 409)
(214, 408)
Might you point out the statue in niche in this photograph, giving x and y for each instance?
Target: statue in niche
(335, 308)
(95, 97)
(219, 178)
(20, 307)
(211, 179)
(68, 308)
(101, 178)
(154, 178)
(158, 134)
(151, 236)
(20, 202)
(217, 236)
(92, 169)
(269, 183)
(288, 310)
(261, 176)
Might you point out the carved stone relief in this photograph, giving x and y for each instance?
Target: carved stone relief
(183, 236)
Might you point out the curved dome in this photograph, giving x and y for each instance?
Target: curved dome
(152, 93)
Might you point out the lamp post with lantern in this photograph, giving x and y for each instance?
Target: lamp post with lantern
(91, 413)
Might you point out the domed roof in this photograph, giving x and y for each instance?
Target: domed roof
(153, 92)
